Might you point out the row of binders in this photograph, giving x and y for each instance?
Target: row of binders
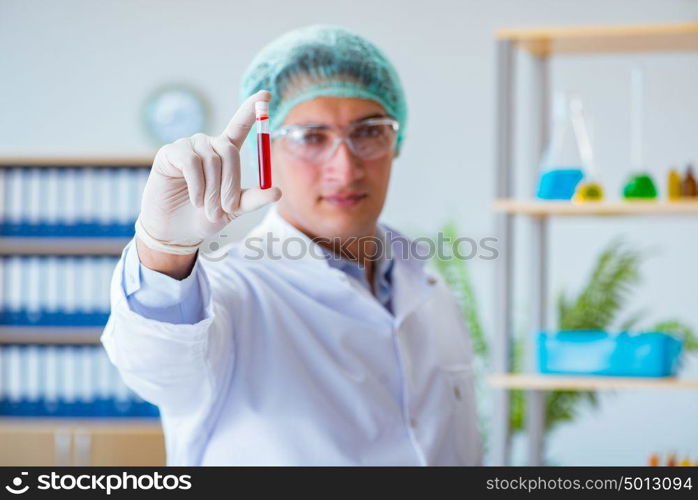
(70, 202)
(55, 290)
(64, 380)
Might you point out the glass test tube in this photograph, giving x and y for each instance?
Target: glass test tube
(263, 144)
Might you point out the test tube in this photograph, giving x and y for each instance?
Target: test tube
(263, 144)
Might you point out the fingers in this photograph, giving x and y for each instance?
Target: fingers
(211, 167)
(255, 198)
(180, 155)
(239, 126)
(230, 173)
(212, 164)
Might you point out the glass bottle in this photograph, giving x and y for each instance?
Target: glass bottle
(561, 164)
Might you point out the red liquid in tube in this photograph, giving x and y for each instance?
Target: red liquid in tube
(264, 155)
(263, 144)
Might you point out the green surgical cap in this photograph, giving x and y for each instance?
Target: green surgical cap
(319, 61)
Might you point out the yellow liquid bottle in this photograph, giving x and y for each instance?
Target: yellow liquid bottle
(588, 191)
(673, 185)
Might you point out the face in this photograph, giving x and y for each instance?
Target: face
(343, 196)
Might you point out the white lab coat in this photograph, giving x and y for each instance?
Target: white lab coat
(296, 363)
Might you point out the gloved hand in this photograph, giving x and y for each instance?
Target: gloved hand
(193, 189)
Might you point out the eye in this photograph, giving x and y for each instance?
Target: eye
(311, 138)
(368, 131)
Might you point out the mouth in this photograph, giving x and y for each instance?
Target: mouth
(344, 200)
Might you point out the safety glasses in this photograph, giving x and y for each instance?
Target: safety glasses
(368, 139)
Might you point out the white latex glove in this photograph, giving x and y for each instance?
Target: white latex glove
(193, 189)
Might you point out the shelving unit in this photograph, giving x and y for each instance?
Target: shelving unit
(541, 44)
(76, 246)
(62, 246)
(535, 208)
(67, 440)
(80, 441)
(49, 335)
(575, 383)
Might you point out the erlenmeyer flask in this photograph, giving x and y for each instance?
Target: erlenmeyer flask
(561, 165)
(589, 188)
(640, 184)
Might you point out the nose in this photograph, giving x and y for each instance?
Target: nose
(343, 167)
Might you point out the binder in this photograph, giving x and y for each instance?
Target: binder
(3, 297)
(13, 286)
(50, 381)
(25, 194)
(85, 379)
(13, 377)
(106, 203)
(3, 201)
(125, 199)
(64, 381)
(68, 199)
(68, 377)
(32, 298)
(103, 369)
(32, 380)
(51, 302)
(68, 283)
(52, 204)
(13, 201)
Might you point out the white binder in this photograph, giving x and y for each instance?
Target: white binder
(123, 198)
(104, 374)
(52, 292)
(106, 203)
(107, 267)
(32, 280)
(51, 379)
(68, 366)
(3, 196)
(15, 201)
(33, 206)
(52, 206)
(14, 284)
(135, 190)
(85, 372)
(32, 383)
(3, 297)
(82, 278)
(13, 358)
(68, 196)
(69, 282)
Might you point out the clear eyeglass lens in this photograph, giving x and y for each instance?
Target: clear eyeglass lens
(371, 141)
(368, 141)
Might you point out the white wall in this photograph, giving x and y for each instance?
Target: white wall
(74, 74)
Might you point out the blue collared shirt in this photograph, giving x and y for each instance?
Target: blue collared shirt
(382, 275)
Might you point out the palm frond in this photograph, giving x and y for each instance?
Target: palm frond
(605, 293)
(680, 330)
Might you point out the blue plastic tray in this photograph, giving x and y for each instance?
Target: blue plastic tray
(593, 352)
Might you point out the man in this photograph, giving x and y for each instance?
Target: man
(318, 339)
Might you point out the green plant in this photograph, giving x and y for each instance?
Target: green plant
(597, 306)
(455, 273)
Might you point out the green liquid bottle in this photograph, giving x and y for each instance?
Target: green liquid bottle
(640, 187)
